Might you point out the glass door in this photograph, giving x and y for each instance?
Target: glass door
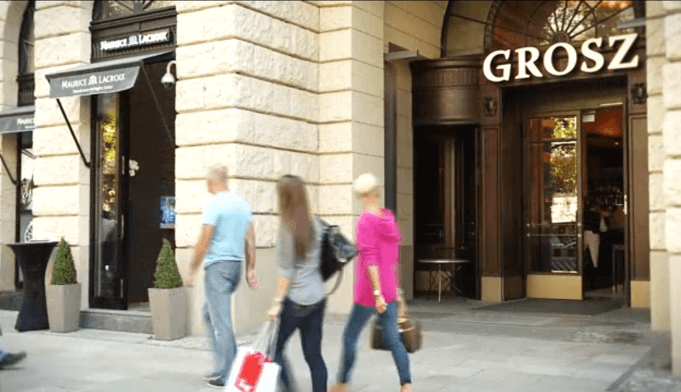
(553, 218)
(109, 272)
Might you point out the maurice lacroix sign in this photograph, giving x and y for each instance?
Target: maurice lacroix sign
(17, 121)
(592, 60)
(135, 40)
(90, 83)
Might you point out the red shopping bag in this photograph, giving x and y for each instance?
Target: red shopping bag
(251, 370)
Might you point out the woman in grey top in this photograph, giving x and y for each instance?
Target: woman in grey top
(300, 299)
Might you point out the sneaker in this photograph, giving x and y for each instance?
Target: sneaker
(12, 359)
(211, 376)
(217, 383)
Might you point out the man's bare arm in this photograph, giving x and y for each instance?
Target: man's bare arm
(250, 247)
(201, 246)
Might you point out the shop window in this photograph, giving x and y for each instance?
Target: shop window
(25, 80)
(112, 9)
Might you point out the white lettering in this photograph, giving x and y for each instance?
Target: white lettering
(572, 59)
(524, 63)
(25, 121)
(111, 78)
(73, 83)
(591, 54)
(505, 68)
(628, 42)
(136, 40)
(527, 58)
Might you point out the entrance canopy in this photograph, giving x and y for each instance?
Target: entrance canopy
(98, 78)
(105, 77)
(17, 120)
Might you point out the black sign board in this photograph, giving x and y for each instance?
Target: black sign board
(98, 78)
(17, 120)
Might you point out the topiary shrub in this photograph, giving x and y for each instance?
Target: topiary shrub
(167, 275)
(64, 271)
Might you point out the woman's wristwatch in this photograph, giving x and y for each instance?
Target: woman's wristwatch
(377, 293)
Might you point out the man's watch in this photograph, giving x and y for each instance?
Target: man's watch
(377, 292)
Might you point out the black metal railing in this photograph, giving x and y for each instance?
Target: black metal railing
(26, 90)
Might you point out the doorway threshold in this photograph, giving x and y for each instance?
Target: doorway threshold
(137, 321)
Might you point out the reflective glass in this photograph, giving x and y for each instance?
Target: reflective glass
(108, 272)
(552, 194)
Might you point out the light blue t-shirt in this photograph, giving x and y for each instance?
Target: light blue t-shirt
(230, 214)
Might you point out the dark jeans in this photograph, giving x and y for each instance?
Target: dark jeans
(309, 319)
(391, 336)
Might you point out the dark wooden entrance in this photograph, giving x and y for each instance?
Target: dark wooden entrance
(134, 152)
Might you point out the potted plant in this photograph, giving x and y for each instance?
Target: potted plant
(63, 294)
(168, 301)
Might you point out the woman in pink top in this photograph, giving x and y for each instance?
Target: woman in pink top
(376, 286)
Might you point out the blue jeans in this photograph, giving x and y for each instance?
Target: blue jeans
(222, 279)
(309, 319)
(391, 336)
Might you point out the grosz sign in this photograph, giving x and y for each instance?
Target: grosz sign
(591, 59)
(135, 40)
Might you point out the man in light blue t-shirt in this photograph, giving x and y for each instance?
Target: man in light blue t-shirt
(227, 237)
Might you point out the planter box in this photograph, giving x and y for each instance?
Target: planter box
(63, 307)
(168, 313)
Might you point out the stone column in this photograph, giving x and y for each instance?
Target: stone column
(659, 264)
(672, 167)
(62, 194)
(351, 115)
(11, 14)
(247, 99)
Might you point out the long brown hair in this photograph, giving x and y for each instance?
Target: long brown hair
(294, 212)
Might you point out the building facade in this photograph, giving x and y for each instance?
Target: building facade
(536, 140)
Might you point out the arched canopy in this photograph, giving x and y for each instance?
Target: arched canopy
(485, 26)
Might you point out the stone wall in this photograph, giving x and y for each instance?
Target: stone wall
(61, 199)
(350, 114)
(247, 99)
(11, 14)
(671, 169)
(659, 263)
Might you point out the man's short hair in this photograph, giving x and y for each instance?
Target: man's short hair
(218, 173)
(366, 183)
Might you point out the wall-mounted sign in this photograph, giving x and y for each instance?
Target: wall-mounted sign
(135, 40)
(592, 60)
(17, 120)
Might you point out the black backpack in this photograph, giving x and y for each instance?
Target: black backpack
(337, 252)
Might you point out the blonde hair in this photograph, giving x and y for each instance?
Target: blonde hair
(366, 183)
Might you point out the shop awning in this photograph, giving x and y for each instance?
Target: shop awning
(105, 77)
(17, 120)
(98, 78)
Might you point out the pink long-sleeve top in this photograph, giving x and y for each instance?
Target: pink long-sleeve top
(378, 241)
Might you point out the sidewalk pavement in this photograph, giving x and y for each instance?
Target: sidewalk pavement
(463, 350)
